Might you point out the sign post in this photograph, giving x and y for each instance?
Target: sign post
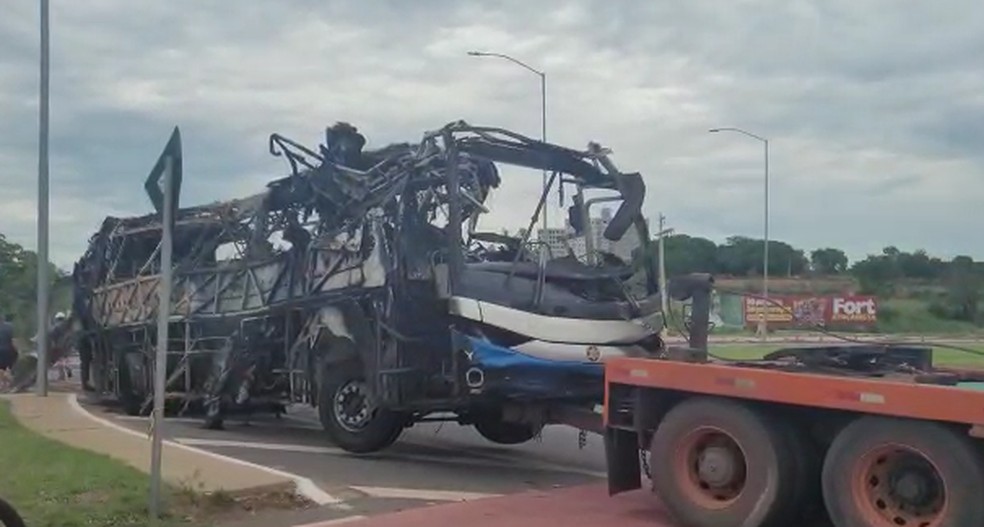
(663, 293)
(163, 186)
(41, 384)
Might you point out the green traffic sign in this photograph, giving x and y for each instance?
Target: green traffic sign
(155, 181)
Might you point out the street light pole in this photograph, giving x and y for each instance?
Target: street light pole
(42, 263)
(763, 322)
(543, 106)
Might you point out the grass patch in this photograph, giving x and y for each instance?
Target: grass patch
(903, 316)
(941, 356)
(54, 485)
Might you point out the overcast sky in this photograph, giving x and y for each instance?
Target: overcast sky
(875, 109)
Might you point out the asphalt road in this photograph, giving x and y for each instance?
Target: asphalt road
(432, 462)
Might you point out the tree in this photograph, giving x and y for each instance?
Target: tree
(876, 274)
(919, 265)
(742, 256)
(18, 284)
(689, 254)
(963, 289)
(18, 272)
(828, 261)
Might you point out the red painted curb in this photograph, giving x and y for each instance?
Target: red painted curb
(581, 506)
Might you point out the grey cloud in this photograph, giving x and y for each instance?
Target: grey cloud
(873, 110)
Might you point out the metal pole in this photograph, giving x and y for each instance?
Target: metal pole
(160, 361)
(765, 257)
(43, 285)
(543, 133)
(663, 293)
(543, 108)
(763, 328)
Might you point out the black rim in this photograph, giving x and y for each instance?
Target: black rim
(352, 408)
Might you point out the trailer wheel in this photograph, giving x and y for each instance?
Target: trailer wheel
(349, 416)
(719, 463)
(806, 496)
(883, 472)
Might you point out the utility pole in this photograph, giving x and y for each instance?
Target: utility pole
(43, 191)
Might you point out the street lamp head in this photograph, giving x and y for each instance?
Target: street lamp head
(477, 53)
(712, 130)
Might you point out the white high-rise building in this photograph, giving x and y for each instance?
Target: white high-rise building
(561, 240)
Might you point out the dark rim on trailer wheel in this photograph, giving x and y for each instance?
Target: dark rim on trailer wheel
(709, 466)
(895, 485)
(719, 463)
(887, 472)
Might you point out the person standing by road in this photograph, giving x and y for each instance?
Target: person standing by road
(8, 351)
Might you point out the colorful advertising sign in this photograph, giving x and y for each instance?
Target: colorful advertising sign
(812, 311)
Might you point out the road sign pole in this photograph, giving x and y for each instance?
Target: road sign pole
(41, 384)
(163, 314)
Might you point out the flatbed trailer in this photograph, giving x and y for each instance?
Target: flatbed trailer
(862, 436)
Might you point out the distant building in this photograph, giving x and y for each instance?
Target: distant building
(561, 240)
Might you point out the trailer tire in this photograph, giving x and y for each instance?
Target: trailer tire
(369, 429)
(806, 496)
(720, 463)
(884, 472)
(503, 432)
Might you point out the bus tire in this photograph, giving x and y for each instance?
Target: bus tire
(348, 415)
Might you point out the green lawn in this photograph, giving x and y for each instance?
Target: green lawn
(53, 485)
(941, 356)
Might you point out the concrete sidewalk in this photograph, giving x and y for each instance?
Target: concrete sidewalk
(60, 417)
(581, 506)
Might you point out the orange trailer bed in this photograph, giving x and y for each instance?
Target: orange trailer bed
(777, 443)
(898, 396)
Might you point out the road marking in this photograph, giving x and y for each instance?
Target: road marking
(337, 521)
(475, 458)
(309, 449)
(295, 422)
(305, 486)
(281, 447)
(422, 494)
(478, 460)
(508, 461)
(141, 418)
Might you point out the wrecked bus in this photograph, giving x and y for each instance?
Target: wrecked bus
(360, 284)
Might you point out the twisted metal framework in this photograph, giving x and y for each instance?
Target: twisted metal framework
(260, 283)
(250, 272)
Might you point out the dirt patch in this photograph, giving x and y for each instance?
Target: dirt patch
(222, 507)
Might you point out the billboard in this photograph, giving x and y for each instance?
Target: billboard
(811, 311)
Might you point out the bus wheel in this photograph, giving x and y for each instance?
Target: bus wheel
(348, 414)
(883, 472)
(719, 463)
